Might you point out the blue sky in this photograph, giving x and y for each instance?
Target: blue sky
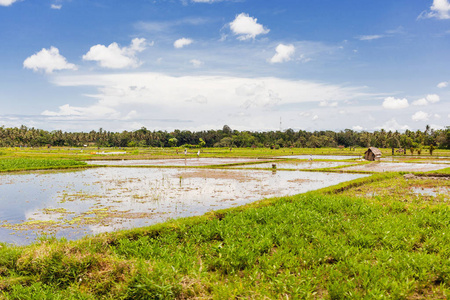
(79, 65)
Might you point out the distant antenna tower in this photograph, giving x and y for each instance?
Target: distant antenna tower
(280, 123)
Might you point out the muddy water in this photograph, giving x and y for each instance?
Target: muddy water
(397, 167)
(74, 204)
(303, 165)
(202, 161)
(332, 157)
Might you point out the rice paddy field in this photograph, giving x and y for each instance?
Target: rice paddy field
(379, 235)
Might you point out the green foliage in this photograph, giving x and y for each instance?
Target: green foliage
(12, 164)
(31, 137)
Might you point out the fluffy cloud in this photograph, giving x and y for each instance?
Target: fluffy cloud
(246, 27)
(439, 10)
(284, 53)
(115, 57)
(48, 60)
(201, 102)
(200, 99)
(6, 2)
(180, 43)
(196, 63)
(420, 116)
(392, 125)
(394, 103)
(72, 112)
(357, 128)
(442, 85)
(370, 37)
(433, 98)
(56, 6)
(326, 103)
(151, 89)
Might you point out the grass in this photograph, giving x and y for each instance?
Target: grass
(335, 243)
(90, 153)
(19, 164)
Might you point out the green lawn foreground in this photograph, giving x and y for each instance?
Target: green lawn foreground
(325, 244)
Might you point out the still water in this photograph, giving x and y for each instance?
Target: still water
(78, 203)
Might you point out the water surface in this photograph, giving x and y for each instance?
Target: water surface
(74, 204)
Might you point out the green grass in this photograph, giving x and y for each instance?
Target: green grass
(332, 244)
(18, 164)
(89, 153)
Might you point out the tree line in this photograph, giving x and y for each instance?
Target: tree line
(226, 137)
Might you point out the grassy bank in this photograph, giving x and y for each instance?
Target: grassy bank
(334, 243)
(20, 164)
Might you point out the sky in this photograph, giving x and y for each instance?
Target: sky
(258, 65)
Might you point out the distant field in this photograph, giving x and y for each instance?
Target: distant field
(94, 153)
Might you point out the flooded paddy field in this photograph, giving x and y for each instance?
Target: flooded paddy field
(298, 165)
(202, 161)
(396, 167)
(331, 157)
(78, 203)
(418, 159)
(416, 190)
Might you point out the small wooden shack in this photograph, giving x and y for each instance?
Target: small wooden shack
(372, 154)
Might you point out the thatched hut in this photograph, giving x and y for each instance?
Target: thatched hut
(372, 154)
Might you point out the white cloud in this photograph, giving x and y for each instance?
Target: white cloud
(304, 114)
(56, 6)
(392, 125)
(170, 25)
(48, 60)
(284, 53)
(420, 102)
(196, 63)
(326, 103)
(71, 112)
(394, 103)
(246, 27)
(224, 89)
(180, 43)
(439, 10)
(357, 128)
(370, 37)
(316, 117)
(263, 99)
(114, 57)
(6, 2)
(200, 99)
(432, 98)
(420, 116)
(442, 85)
(436, 127)
(132, 115)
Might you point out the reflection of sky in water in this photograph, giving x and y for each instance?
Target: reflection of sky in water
(201, 161)
(297, 165)
(332, 157)
(397, 167)
(167, 193)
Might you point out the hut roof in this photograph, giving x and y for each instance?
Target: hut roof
(375, 151)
